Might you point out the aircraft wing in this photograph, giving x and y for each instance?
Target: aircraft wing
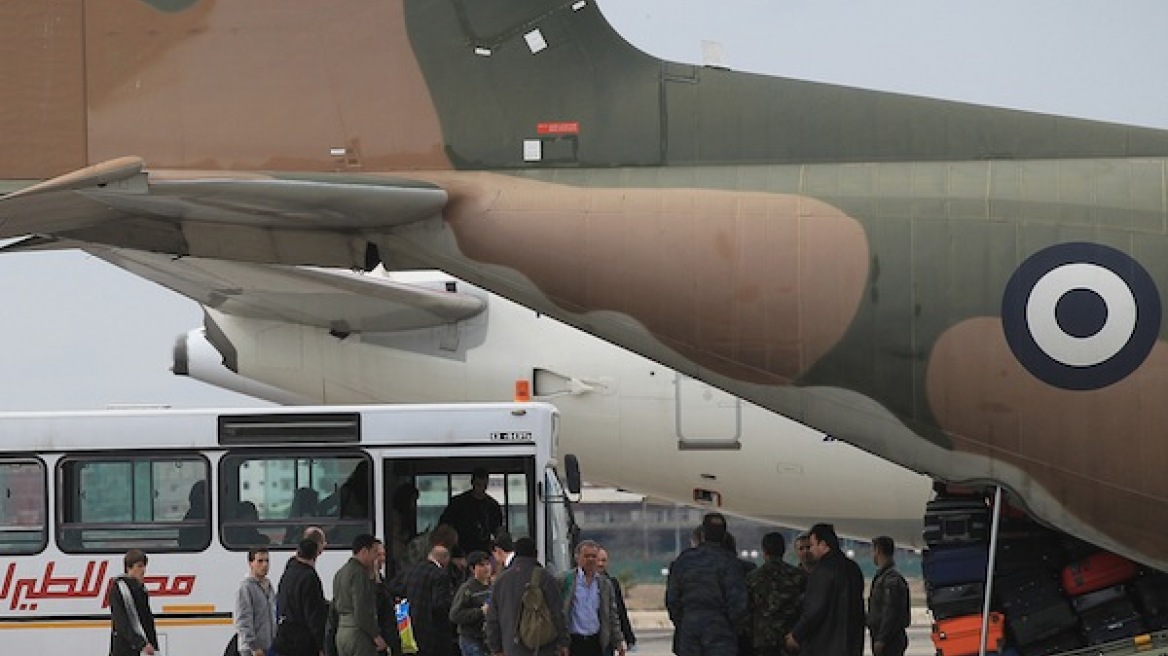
(303, 218)
(339, 300)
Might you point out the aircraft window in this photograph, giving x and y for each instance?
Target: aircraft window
(271, 498)
(22, 507)
(152, 502)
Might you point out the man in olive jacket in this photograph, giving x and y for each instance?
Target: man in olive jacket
(355, 600)
(889, 611)
(506, 600)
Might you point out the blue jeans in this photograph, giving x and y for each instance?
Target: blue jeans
(472, 647)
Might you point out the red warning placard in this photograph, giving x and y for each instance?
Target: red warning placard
(558, 127)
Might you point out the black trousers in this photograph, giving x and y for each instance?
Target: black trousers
(585, 645)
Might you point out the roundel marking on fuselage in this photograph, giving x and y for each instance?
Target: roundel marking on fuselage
(1081, 316)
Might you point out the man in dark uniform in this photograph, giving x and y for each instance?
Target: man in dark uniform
(475, 515)
(888, 604)
(776, 597)
(706, 595)
(832, 623)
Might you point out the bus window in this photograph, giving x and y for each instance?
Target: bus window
(22, 507)
(153, 502)
(270, 498)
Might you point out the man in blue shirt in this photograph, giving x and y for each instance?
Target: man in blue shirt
(590, 606)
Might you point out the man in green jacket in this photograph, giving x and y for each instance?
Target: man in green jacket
(355, 600)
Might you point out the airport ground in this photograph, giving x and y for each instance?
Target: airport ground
(655, 633)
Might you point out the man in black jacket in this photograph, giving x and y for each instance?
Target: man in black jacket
(302, 603)
(705, 595)
(833, 606)
(625, 625)
(133, 623)
(429, 588)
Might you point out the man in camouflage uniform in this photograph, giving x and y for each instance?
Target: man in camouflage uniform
(776, 597)
(888, 604)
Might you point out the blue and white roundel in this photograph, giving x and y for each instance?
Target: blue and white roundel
(1081, 316)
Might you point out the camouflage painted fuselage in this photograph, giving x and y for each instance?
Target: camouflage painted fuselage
(971, 292)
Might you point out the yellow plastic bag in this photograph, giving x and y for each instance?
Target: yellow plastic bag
(404, 628)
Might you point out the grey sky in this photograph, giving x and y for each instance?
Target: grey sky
(78, 333)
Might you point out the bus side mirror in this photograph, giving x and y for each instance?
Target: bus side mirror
(572, 472)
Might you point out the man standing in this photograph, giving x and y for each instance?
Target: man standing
(803, 553)
(301, 600)
(474, 514)
(626, 626)
(133, 623)
(776, 597)
(502, 550)
(888, 604)
(255, 606)
(706, 595)
(502, 627)
(590, 606)
(468, 611)
(833, 608)
(428, 587)
(355, 600)
(386, 617)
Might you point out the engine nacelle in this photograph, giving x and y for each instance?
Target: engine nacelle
(195, 356)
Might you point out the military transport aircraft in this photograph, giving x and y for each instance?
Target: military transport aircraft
(970, 292)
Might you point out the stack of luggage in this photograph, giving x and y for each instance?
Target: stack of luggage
(1051, 593)
(954, 566)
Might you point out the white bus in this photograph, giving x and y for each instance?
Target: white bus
(195, 489)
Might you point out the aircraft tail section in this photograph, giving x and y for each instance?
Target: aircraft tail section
(522, 84)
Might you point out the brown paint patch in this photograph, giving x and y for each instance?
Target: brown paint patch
(42, 90)
(752, 285)
(1102, 453)
(259, 85)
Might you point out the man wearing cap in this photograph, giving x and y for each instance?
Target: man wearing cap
(471, 601)
(474, 514)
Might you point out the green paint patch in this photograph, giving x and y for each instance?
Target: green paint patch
(171, 6)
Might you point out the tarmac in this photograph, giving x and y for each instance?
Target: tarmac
(655, 633)
(659, 619)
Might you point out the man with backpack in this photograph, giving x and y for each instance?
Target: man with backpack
(526, 616)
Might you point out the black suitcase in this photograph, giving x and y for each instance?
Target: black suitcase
(956, 520)
(1151, 594)
(1084, 603)
(1025, 554)
(1112, 621)
(956, 600)
(1065, 641)
(1041, 623)
(1022, 592)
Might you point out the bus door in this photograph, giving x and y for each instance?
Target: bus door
(418, 491)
